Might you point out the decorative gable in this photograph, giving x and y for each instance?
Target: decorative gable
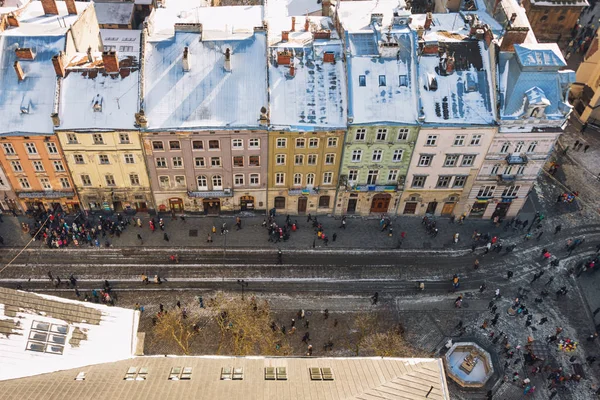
(535, 103)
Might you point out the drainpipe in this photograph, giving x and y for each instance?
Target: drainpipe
(337, 185)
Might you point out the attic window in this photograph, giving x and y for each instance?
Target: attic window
(178, 373)
(321, 374)
(80, 376)
(362, 80)
(229, 373)
(432, 84)
(272, 373)
(97, 103)
(403, 80)
(47, 338)
(381, 80)
(133, 374)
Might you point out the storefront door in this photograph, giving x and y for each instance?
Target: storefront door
(501, 210)
(247, 203)
(478, 209)
(380, 203)
(351, 206)
(302, 205)
(212, 206)
(176, 204)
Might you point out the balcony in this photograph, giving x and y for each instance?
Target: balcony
(506, 178)
(516, 159)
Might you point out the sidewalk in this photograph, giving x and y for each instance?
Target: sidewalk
(359, 234)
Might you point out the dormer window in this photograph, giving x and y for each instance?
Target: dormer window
(381, 80)
(403, 80)
(362, 80)
(97, 103)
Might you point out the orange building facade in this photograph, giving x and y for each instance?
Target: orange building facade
(552, 21)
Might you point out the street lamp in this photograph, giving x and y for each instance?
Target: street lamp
(243, 284)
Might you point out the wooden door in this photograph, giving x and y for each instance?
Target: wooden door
(410, 207)
(380, 203)
(302, 205)
(448, 208)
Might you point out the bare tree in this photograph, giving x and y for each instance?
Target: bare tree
(364, 326)
(174, 328)
(390, 344)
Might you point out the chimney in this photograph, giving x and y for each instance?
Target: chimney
(110, 61)
(450, 65)
(264, 116)
(513, 18)
(187, 63)
(306, 25)
(285, 36)
(325, 8)
(12, 20)
(55, 119)
(49, 7)
(227, 60)
(513, 36)
(71, 7)
(140, 119)
(59, 64)
(293, 24)
(89, 55)
(479, 34)
(428, 21)
(326, 34)
(24, 53)
(19, 71)
(329, 57)
(488, 36)
(292, 70)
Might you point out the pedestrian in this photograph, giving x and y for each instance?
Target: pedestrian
(557, 229)
(140, 239)
(540, 235)
(308, 218)
(326, 314)
(375, 298)
(488, 246)
(543, 320)
(476, 264)
(473, 247)
(209, 238)
(482, 288)
(166, 237)
(306, 324)
(178, 304)
(549, 281)
(596, 311)
(491, 304)
(585, 149)
(493, 310)
(592, 337)
(343, 226)
(293, 322)
(576, 145)
(310, 348)
(509, 274)
(52, 279)
(334, 236)
(497, 294)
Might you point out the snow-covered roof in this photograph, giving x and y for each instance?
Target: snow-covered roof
(41, 334)
(12, 5)
(356, 15)
(315, 96)
(25, 106)
(122, 40)
(208, 95)
(34, 22)
(302, 7)
(87, 84)
(114, 13)
(560, 3)
(540, 55)
(513, 7)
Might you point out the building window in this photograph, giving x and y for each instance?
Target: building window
(24, 183)
(78, 159)
(544, 18)
(179, 181)
(443, 181)
(459, 140)
(353, 175)
(103, 159)
(495, 169)
(519, 147)
(58, 166)
(313, 143)
(360, 135)
(39, 167)
(521, 170)
(238, 161)
(402, 134)
(202, 182)
(71, 138)
(280, 178)
(504, 148)
(381, 135)
(486, 191)
(254, 179)
(324, 201)
(532, 147)
(362, 80)
(213, 145)
(299, 159)
(356, 155)
(475, 140)
(217, 182)
(125, 48)
(329, 159)
(511, 191)
(197, 145)
(468, 160)
(164, 182)
(97, 138)
(124, 138)
(508, 170)
(110, 180)
(30, 147)
(300, 143)
(215, 161)
(281, 143)
(279, 202)
(254, 161)
(174, 145)
(310, 179)
(425, 160)
(159, 146)
(129, 159)
(199, 162)
(45, 182)
(177, 162)
(419, 181)
(16, 166)
(238, 179)
(8, 149)
(312, 159)
(327, 178)
(393, 175)
(402, 80)
(431, 140)
(377, 155)
(254, 143)
(237, 144)
(460, 181)
(451, 160)
(161, 162)
(332, 142)
(64, 182)
(134, 179)
(86, 180)
(372, 177)
(297, 179)
(280, 159)
(52, 149)
(397, 156)
(381, 80)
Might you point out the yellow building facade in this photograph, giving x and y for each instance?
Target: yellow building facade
(304, 171)
(108, 169)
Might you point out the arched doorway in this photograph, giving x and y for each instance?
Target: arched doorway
(380, 203)
(247, 203)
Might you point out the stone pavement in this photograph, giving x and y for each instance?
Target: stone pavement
(360, 233)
